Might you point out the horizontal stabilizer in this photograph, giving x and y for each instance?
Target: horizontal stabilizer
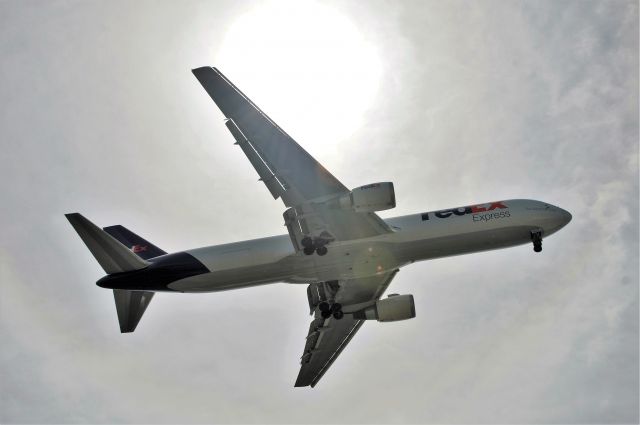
(131, 306)
(111, 254)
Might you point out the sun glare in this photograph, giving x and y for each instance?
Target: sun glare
(306, 66)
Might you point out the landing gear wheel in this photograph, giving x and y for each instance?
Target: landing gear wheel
(307, 242)
(309, 250)
(322, 250)
(324, 306)
(326, 314)
(336, 307)
(537, 247)
(338, 314)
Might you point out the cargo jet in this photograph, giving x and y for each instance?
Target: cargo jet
(336, 243)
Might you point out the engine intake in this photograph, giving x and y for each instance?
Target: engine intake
(369, 198)
(395, 307)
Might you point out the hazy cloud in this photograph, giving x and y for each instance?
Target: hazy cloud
(477, 101)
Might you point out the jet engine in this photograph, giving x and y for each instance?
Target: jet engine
(395, 307)
(369, 198)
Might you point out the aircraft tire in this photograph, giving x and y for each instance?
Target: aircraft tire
(536, 238)
(322, 250)
(338, 314)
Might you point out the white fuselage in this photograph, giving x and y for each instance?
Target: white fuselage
(416, 237)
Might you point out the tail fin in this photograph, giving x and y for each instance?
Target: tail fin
(111, 254)
(138, 245)
(131, 305)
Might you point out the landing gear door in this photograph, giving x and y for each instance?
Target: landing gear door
(294, 227)
(301, 225)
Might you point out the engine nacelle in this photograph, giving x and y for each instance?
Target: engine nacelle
(395, 307)
(369, 198)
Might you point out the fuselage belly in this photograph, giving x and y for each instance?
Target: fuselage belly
(416, 237)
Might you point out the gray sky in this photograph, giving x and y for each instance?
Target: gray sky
(463, 103)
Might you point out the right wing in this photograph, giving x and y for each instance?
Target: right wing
(328, 337)
(288, 171)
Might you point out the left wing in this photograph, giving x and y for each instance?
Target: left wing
(328, 337)
(288, 171)
(283, 165)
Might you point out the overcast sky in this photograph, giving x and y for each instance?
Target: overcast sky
(455, 102)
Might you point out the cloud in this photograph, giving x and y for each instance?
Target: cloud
(477, 102)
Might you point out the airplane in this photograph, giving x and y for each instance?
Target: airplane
(336, 243)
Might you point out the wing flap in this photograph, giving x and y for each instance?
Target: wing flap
(267, 176)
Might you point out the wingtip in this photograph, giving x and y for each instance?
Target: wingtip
(203, 69)
(300, 383)
(73, 216)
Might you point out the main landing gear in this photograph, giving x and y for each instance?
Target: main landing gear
(536, 238)
(312, 245)
(327, 310)
(322, 299)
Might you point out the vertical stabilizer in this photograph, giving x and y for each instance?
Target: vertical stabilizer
(131, 305)
(143, 248)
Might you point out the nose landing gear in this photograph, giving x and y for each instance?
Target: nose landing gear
(536, 238)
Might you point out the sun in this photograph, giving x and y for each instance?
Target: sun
(306, 66)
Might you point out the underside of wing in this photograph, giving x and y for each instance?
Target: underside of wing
(267, 145)
(286, 169)
(325, 342)
(328, 337)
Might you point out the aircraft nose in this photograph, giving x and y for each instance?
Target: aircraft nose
(566, 216)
